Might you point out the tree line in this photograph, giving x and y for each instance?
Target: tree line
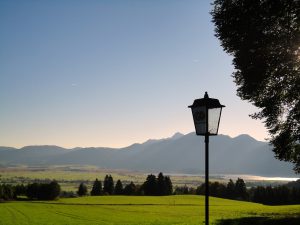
(34, 191)
(158, 186)
(232, 190)
(153, 186)
(281, 195)
(278, 195)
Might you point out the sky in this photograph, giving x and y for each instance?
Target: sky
(77, 73)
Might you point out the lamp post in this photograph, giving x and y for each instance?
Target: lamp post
(206, 114)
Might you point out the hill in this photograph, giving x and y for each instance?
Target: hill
(178, 154)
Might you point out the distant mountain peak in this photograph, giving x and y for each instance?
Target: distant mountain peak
(173, 137)
(245, 137)
(177, 135)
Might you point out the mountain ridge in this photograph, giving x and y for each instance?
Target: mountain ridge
(179, 154)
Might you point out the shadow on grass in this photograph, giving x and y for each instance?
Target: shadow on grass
(261, 221)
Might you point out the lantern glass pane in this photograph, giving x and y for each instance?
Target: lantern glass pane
(199, 115)
(213, 120)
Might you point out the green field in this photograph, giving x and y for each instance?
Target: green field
(135, 210)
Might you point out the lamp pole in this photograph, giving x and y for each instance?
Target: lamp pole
(206, 165)
(206, 180)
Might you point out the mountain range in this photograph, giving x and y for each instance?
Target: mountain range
(177, 154)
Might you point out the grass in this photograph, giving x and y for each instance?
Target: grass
(140, 210)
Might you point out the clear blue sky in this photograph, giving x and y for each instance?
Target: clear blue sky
(111, 73)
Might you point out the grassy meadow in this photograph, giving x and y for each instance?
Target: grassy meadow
(139, 210)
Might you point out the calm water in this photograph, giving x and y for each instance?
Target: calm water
(243, 176)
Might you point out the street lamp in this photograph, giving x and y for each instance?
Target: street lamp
(206, 113)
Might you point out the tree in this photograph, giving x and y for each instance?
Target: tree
(161, 187)
(119, 188)
(129, 189)
(217, 189)
(263, 38)
(1, 192)
(150, 185)
(259, 194)
(240, 189)
(108, 185)
(54, 190)
(20, 190)
(295, 195)
(32, 190)
(43, 191)
(168, 186)
(201, 189)
(6, 192)
(230, 190)
(97, 188)
(82, 189)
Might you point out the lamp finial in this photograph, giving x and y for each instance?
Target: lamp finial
(206, 95)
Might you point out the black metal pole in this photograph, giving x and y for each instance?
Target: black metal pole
(206, 180)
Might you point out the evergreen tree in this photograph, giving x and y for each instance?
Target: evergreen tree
(269, 197)
(230, 190)
(161, 185)
(295, 195)
(259, 194)
(20, 190)
(240, 189)
(200, 189)
(282, 194)
(7, 192)
(139, 189)
(1, 192)
(33, 190)
(97, 188)
(150, 185)
(168, 186)
(129, 189)
(108, 185)
(217, 189)
(82, 189)
(54, 190)
(119, 188)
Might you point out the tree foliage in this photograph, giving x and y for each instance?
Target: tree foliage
(108, 185)
(6, 192)
(240, 189)
(279, 195)
(263, 36)
(119, 188)
(230, 190)
(97, 188)
(168, 186)
(130, 189)
(82, 190)
(162, 185)
(150, 185)
(43, 191)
